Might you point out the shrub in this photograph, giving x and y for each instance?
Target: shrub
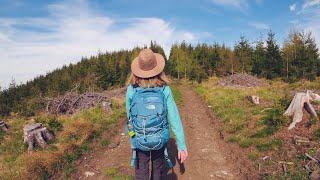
(54, 125)
(105, 142)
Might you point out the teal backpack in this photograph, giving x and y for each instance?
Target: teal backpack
(148, 125)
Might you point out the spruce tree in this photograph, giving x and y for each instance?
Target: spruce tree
(272, 66)
(258, 58)
(243, 52)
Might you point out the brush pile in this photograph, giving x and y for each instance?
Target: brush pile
(241, 80)
(72, 102)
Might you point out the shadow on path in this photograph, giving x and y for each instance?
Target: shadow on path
(173, 154)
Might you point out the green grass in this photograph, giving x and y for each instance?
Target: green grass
(253, 155)
(105, 142)
(237, 113)
(115, 174)
(246, 142)
(176, 94)
(111, 171)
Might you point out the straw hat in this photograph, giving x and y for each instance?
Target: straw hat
(147, 64)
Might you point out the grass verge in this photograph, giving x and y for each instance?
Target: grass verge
(261, 130)
(73, 136)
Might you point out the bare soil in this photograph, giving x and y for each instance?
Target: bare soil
(210, 157)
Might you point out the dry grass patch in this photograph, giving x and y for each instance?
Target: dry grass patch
(73, 135)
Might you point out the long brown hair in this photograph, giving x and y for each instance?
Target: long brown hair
(158, 80)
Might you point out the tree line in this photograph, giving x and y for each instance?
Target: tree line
(298, 58)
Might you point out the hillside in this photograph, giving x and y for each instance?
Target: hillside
(97, 73)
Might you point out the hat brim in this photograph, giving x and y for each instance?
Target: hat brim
(150, 73)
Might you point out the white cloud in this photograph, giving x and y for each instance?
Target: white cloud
(310, 3)
(292, 7)
(309, 18)
(33, 46)
(259, 25)
(239, 4)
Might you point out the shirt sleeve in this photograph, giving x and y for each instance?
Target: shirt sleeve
(174, 120)
(129, 95)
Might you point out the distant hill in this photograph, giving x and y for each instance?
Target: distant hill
(101, 72)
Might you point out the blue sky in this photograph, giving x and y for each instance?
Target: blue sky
(37, 36)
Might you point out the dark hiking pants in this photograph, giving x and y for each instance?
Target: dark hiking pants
(158, 166)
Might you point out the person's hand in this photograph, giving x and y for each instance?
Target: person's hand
(182, 155)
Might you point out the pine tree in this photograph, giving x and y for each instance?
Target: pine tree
(312, 57)
(272, 66)
(259, 56)
(243, 52)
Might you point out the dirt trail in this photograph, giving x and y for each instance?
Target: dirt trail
(209, 156)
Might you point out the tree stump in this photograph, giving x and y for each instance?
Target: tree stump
(36, 133)
(106, 106)
(3, 126)
(254, 99)
(299, 102)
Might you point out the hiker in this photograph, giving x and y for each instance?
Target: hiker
(151, 109)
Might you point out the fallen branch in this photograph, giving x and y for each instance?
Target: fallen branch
(301, 140)
(284, 167)
(312, 158)
(284, 162)
(307, 167)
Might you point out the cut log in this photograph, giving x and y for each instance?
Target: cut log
(36, 133)
(299, 102)
(3, 126)
(254, 99)
(298, 140)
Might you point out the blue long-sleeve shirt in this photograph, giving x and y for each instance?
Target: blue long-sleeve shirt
(173, 115)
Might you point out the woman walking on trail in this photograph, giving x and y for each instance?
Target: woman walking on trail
(151, 110)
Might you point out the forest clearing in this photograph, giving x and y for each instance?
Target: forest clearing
(228, 137)
(209, 89)
(232, 102)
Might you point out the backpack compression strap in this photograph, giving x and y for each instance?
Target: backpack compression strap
(166, 157)
(133, 162)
